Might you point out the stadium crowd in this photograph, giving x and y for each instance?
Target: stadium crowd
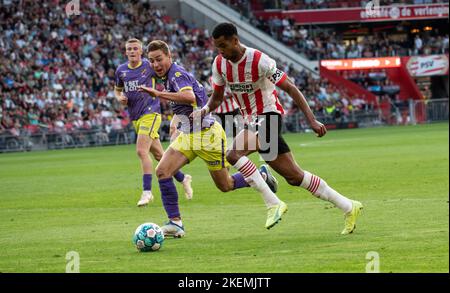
(329, 102)
(57, 73)
(322, 43)
(246, 5)
(325, 43)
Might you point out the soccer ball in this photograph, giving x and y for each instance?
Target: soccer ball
(148, 237)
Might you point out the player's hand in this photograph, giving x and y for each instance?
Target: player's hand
(123, 100)
(318, 128)
(151, 91)
(198, 114)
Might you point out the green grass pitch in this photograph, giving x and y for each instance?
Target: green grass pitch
(84, 200)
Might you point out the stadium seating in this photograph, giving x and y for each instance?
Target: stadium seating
(324, 43)
(57, 74)
(60, 79)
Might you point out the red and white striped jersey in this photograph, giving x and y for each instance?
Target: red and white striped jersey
(229, 104)
(251, 80)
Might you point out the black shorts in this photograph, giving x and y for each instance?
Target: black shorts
(268, 126)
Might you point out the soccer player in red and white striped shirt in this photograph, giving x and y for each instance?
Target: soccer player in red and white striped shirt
(228, 112)
(252, 76)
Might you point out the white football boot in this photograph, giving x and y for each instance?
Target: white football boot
(146, 197)
(188, 192)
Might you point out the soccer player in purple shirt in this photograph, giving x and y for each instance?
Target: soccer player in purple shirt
(145, 113)
(203, 137)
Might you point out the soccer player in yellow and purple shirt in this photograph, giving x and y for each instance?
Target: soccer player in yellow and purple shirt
(204, 138)
(145, 112)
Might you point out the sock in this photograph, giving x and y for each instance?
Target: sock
(320, 189)
(254, 179)
(239, 181)
(169, 197)
(147, 182)
(179, 176)
(178, 222)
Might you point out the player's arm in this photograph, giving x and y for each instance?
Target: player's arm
(120, 96)
(185, 95)
(215, 100)
(118, 90)
(279, 78)
(289, 87)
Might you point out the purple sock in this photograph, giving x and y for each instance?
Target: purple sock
(179, 176)
(147, 181)
(239, 181)
(169, 197)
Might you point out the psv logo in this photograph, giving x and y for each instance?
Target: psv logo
(276, 76)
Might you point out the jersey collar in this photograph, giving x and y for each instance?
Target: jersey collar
(139, 64)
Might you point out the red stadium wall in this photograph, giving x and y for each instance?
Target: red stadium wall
(351, 87)
(398, 75)
(408, 88)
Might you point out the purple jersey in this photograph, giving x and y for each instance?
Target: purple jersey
(179, 79)
(128, 79)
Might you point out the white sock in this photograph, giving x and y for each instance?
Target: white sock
(254, 179)
(320, 188)
(147, 193)
(178, 222)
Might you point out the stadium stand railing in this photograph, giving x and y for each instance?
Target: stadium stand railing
(390, 114)
(36, 112)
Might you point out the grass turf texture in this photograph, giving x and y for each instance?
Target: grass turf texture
(85, 200)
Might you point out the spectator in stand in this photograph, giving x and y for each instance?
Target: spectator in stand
(418, 44)
(50, 61)
(57, 73)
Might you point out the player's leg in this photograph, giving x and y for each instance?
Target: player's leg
(171, 161)
(286, 166)
(212, 151)
(157, 150)
(175, 157)
(185, 179)
(223, 180)
(144, 127)
(226, 182)
(143, 144)
(245, 143)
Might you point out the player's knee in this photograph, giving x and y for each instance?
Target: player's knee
(157, 156)
(294, 179)
(232, 157)
(224, 186)
(141, 153)
(162, 172)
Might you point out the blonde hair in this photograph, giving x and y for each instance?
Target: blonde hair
(133, 40)
(158, 45)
